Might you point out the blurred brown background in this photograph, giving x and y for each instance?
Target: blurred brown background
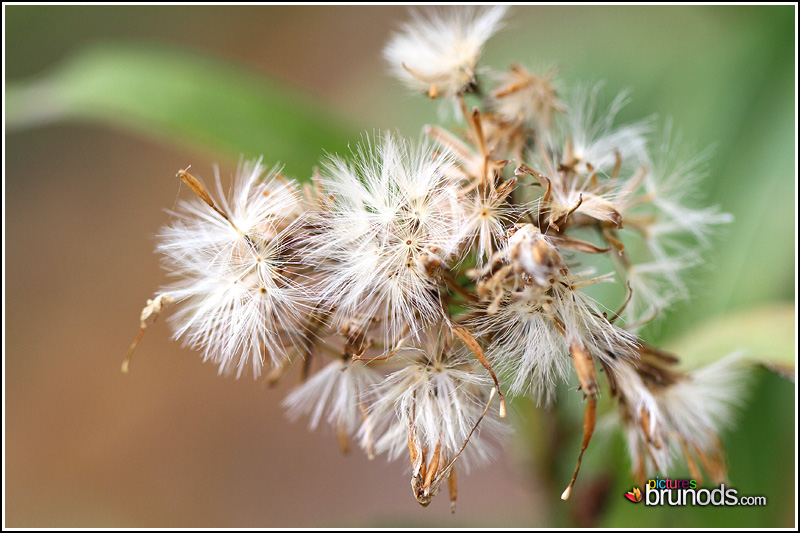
(172, 444)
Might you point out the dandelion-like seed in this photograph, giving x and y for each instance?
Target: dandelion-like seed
(538, 316)
(392, 225)
(429, 409)
(438, 52)
(413, 281)
(669, 415)
(239, 297)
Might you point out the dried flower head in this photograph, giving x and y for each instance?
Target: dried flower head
(535, 315)
(438, 52)
(527, 98)
(412, 275)
(233, 275)
(668, 414)
(430, 409)
(392, 224)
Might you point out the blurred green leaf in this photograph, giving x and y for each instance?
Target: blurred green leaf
(183, 98)
(766, 334)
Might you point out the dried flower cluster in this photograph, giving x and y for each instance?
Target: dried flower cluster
(413, 281)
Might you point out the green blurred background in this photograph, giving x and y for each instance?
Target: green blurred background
(105, 104)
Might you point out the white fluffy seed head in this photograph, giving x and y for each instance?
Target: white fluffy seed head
(686, 416)
(526, 345)
(440, 400)
(335, 393)
(238, 300)
(393, 220)
(486, 222)
(539, 310)
(532, 331)
(438, 51)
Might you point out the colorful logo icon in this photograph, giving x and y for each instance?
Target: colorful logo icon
(635, 495)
